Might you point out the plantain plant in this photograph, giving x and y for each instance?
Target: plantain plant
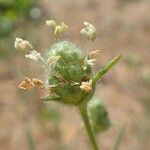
(70, 79)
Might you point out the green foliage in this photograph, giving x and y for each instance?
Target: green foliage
(98, 116)
(12, 14)
(11, 11)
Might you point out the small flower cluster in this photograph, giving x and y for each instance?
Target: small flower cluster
(22, 45)
(89, 31)
(68, 70)
(58, 29)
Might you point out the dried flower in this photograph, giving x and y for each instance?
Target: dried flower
(22, 45)
(94, 53)
(26, 84)
(53, 59)
(86, 86)
(37, 83)
(51, 23)
(34, 55)
(29, 84)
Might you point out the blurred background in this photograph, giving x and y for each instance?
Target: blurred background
(123, 26)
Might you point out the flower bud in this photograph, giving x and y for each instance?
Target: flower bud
(22, 45)
(98, 116)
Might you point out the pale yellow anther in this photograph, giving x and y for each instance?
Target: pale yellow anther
(53, 59)
(60, 28)
(86, 86)
(51, 23)
(64, 25)
(22, 45)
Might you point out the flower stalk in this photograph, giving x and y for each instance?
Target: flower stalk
(84, 115)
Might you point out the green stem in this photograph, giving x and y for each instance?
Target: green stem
(84, 115)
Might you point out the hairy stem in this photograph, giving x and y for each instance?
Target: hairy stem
(84, 115)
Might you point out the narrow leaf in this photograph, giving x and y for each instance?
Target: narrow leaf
(119, 137)
(102, 72)
(30, 139)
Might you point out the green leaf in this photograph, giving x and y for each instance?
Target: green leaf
(119, 137)
(102, 72)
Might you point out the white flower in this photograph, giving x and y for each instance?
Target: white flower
(22, 45)
(34, 55)
(89, 31)
(91, 61)
(51, 23)
(83, 31)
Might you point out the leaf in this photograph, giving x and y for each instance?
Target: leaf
(102, 72)
(119, 137)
